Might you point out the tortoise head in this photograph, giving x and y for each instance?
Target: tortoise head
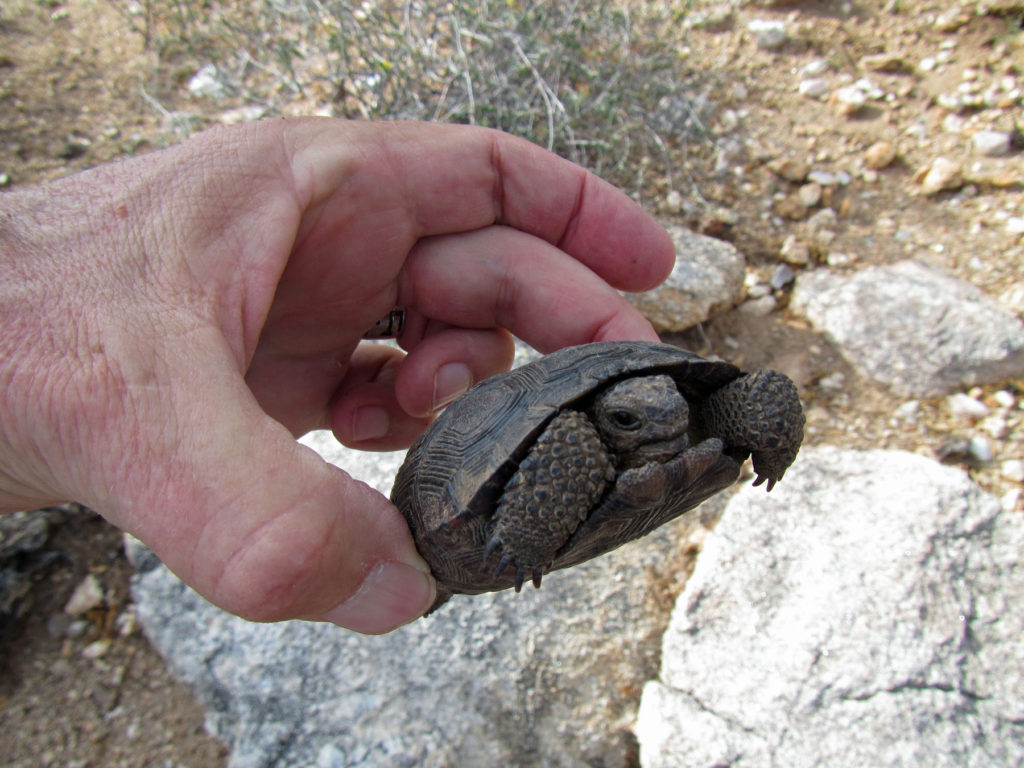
(642, 420)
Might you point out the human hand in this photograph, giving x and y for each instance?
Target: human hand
(169, 324)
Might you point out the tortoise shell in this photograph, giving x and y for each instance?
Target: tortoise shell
(455, 476)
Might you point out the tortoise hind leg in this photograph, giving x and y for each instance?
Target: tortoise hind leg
(556, 485)
(507, 560)
(759, 412)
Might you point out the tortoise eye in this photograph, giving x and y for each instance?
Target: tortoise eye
(625, 420)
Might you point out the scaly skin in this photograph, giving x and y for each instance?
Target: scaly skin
(759, 412)
(635, 422)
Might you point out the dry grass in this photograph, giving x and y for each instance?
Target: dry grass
(603, 83)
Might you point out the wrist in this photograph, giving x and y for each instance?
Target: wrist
(45, 332)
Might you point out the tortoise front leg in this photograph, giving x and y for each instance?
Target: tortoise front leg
(647, 497)
(760, 413)
(562, 477)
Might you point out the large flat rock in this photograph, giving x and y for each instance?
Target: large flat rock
(912, 327)
(869, 612)
(707, 279)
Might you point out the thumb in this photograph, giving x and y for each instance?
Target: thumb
(258, 524)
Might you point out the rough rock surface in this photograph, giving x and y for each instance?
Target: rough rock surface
(707, 279)
(545, 678)
(869, 613)
(915, 328)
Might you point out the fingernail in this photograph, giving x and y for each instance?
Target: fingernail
(370, 423)
(451, 381)
(392, 594)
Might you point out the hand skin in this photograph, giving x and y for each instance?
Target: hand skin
(169, 325)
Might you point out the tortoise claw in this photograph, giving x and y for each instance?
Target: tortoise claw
(520, 576)
(492, 545)
(507, 560)
(504, 563)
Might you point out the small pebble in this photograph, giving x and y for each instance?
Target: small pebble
(795, 251)
(850, 99)
(833, 382)
(951, 20)
(769, 34)
(1013, 469)
(991, 143)
(950, 101)
(783, 276)
(790, 169)
(964, 406)
(980, 448)
(758, 290)
(1015, 225)
(206, 83)
(761, 307)
(879, 155)
(824, 237)
(96, 649)
(815, 67)
(821, 227)
(941, 175)
(87, 595)
(824, 219)
(996, 426)
(870, 90)
(809, 195)
(674, 201)
(908, 411)
(790, 207)
(126, 623)
(883, 62)
(242, 115)
(953, 123)
(824, 178)
(728, 120)
(813, 87)
(1004, 398)
(917, 130)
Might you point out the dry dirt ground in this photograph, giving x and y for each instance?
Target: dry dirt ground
(71, 82)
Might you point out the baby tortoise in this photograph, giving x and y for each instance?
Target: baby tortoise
(582, 451)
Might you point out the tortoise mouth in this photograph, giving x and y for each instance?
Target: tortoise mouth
(656, 451)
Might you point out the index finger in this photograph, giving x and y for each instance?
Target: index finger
(453, 178)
